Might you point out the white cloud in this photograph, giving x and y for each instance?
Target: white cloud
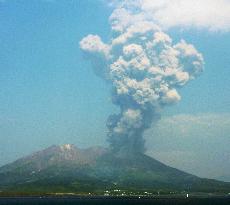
(198, 144)
(204, 125)
(213, 15)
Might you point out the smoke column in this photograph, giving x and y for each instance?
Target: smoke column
(145, 70)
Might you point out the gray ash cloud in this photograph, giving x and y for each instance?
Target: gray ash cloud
(145, 70)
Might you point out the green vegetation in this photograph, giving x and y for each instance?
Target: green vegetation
(56, 171)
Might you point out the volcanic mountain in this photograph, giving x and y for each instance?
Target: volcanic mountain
(67, 168)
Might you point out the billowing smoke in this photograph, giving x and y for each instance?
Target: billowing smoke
(145, 70)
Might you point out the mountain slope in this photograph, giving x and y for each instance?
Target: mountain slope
(69, 169)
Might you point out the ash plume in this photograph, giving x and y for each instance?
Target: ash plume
(145, 70)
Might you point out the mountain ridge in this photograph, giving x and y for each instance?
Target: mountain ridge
(70, 169)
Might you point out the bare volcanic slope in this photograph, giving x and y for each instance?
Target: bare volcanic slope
(67, 168)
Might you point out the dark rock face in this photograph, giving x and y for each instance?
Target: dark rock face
(72, 169)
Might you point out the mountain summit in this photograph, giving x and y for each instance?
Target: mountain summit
(67, 168)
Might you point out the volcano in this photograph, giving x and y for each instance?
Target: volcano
(66, 168)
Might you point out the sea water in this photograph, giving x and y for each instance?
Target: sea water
(112, 201)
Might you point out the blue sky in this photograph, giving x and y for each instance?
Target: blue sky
(50, 95)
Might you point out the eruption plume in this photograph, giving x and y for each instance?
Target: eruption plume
(145, 70)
